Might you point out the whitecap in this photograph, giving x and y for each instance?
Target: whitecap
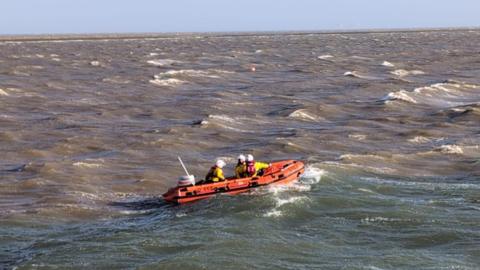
(291, 200)
(89, 163)
(356, 74)
(163, 62)
(350, 74)
(403, 72)
(424, 185)
(379, 219)
(3, 92)
(312, 175)
(303, 115)
(359, 137)
(450, 149)
(116, 79)
(273, 213)
(280, 202)
(419, 139)
(325, 57)
(400, 95)
(223, 118)
(387, 64)
(439, 95)
(95, 63)
(226, 122)
(167, 82)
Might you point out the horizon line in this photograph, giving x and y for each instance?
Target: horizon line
(137, 35)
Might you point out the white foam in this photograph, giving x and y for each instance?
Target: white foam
(167, 82)
(312, 175)
(419, 139)
(163, 62)
(304, 115)
(116, 79)
(403, 72)
(273, 213)
(365, 190)
(359, 137)
(356, 74)
(400, 95)
(368, 220)
(350, 74)
(280, 202)
(325, 57)
(95, 63)
(424, 185)
(442, 95)
(91, 163)
(192, 73)
(291, 200)
(135, 212)
(387, 64)
(223, 118)
(450, 149)
(3, 93)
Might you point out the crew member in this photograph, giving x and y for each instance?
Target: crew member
(254, 168)
(216, 173)
(241, 167)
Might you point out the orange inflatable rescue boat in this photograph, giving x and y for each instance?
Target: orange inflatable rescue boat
(281, 172)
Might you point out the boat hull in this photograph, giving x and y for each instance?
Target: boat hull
(279, 173)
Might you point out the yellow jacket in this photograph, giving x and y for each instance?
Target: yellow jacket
(215, 174)
(241, 170)
(260, 166)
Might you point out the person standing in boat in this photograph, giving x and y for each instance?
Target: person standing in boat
(216, 172)
(241, 167)
(254, 168)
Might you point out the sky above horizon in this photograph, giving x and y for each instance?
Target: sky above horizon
(141, 16)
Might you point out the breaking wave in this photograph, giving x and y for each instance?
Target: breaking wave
(3, 92)
(356, 74)
(325, 57)
(166, 82)
(303, 114)
(177, 77)
(387, 64)
(403, 73)
(163, 62)
(445, 95)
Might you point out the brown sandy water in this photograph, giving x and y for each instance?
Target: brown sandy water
(388, 124)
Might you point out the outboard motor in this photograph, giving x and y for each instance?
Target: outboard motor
(186, 180)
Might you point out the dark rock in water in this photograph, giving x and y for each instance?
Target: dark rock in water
(198, 122)
(19, 168)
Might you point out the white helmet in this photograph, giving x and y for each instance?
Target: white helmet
(220, 163)
(241, 158)
(249, 157)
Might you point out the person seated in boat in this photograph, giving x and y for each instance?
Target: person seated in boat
(241, 167)
(216, 172)
(254, 168)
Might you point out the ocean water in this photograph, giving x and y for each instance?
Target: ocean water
(387, 124)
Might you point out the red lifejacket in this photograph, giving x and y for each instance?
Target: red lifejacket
(251, 168)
